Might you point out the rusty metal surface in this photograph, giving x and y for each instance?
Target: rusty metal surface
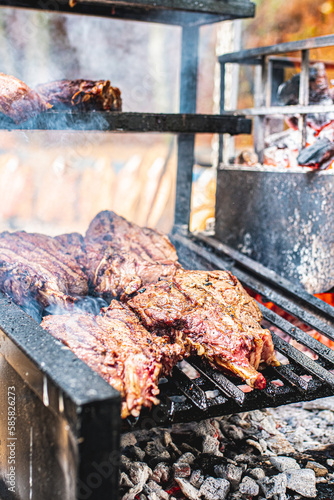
(284, 220)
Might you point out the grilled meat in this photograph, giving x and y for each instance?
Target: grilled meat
(121, 256)
(119, 348)
(35, 268)
(18, 101)
(74, 246)
(213, 316)
(82, 94)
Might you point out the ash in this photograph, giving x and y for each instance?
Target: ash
(284, 453)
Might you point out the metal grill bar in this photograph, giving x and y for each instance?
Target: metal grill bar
(115, 121)
(299, 335)
(302, 360)
(220, 381)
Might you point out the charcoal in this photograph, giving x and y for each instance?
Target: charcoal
(280, 445)
(284, 463)
(215, 489)
(125, 481)
(186, 458)
(161, 473)
(126, 463)
(181, 469)
(319, 470)
(155, 450)
(233, 432)
(302, 481)
(187, 489)
(249, 487)
(188, 448)
(211, 445)
(255, 444)
(139, 474)
(320, 154)
(128, 439)
(231, 472)
(274, 486)
(155, 492)
(197, 478)
(257, 473)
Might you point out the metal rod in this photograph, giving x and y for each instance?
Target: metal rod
(186, 142)
(282, 110)
(131, 122)
(304, 93)
(282, 48)
(221, 109)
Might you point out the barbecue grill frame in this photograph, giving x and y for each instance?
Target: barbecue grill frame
(20, 335)
(94, 418)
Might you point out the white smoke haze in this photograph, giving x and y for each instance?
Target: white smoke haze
(141, 58)
(62, 179)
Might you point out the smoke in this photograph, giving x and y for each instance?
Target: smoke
(141, 58)
(87, 304)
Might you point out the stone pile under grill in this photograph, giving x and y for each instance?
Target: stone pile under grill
(278, 454)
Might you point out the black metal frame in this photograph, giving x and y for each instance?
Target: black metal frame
(177, 12)
(270, 74)
(76, 453)
(57, 395)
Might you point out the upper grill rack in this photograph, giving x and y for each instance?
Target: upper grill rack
(213, 393)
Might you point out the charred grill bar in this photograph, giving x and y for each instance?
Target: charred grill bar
(62, 393)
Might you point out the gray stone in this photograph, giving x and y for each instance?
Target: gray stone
(187, 489)
(215, 489)
(181, 469)
(302, 481)
(319, 470)
(231, 472)
(257, 473)
(284, 463)
(275, 485)
(161, 473)
(197, 478)
(249, 487)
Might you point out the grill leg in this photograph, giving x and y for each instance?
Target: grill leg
(186, 142)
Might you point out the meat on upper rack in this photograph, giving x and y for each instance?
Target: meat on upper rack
(18, 101)
(34, 269)
(83, 95)
(213, 316)
(121, 350)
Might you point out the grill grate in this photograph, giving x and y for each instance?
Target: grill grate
(213, 393)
